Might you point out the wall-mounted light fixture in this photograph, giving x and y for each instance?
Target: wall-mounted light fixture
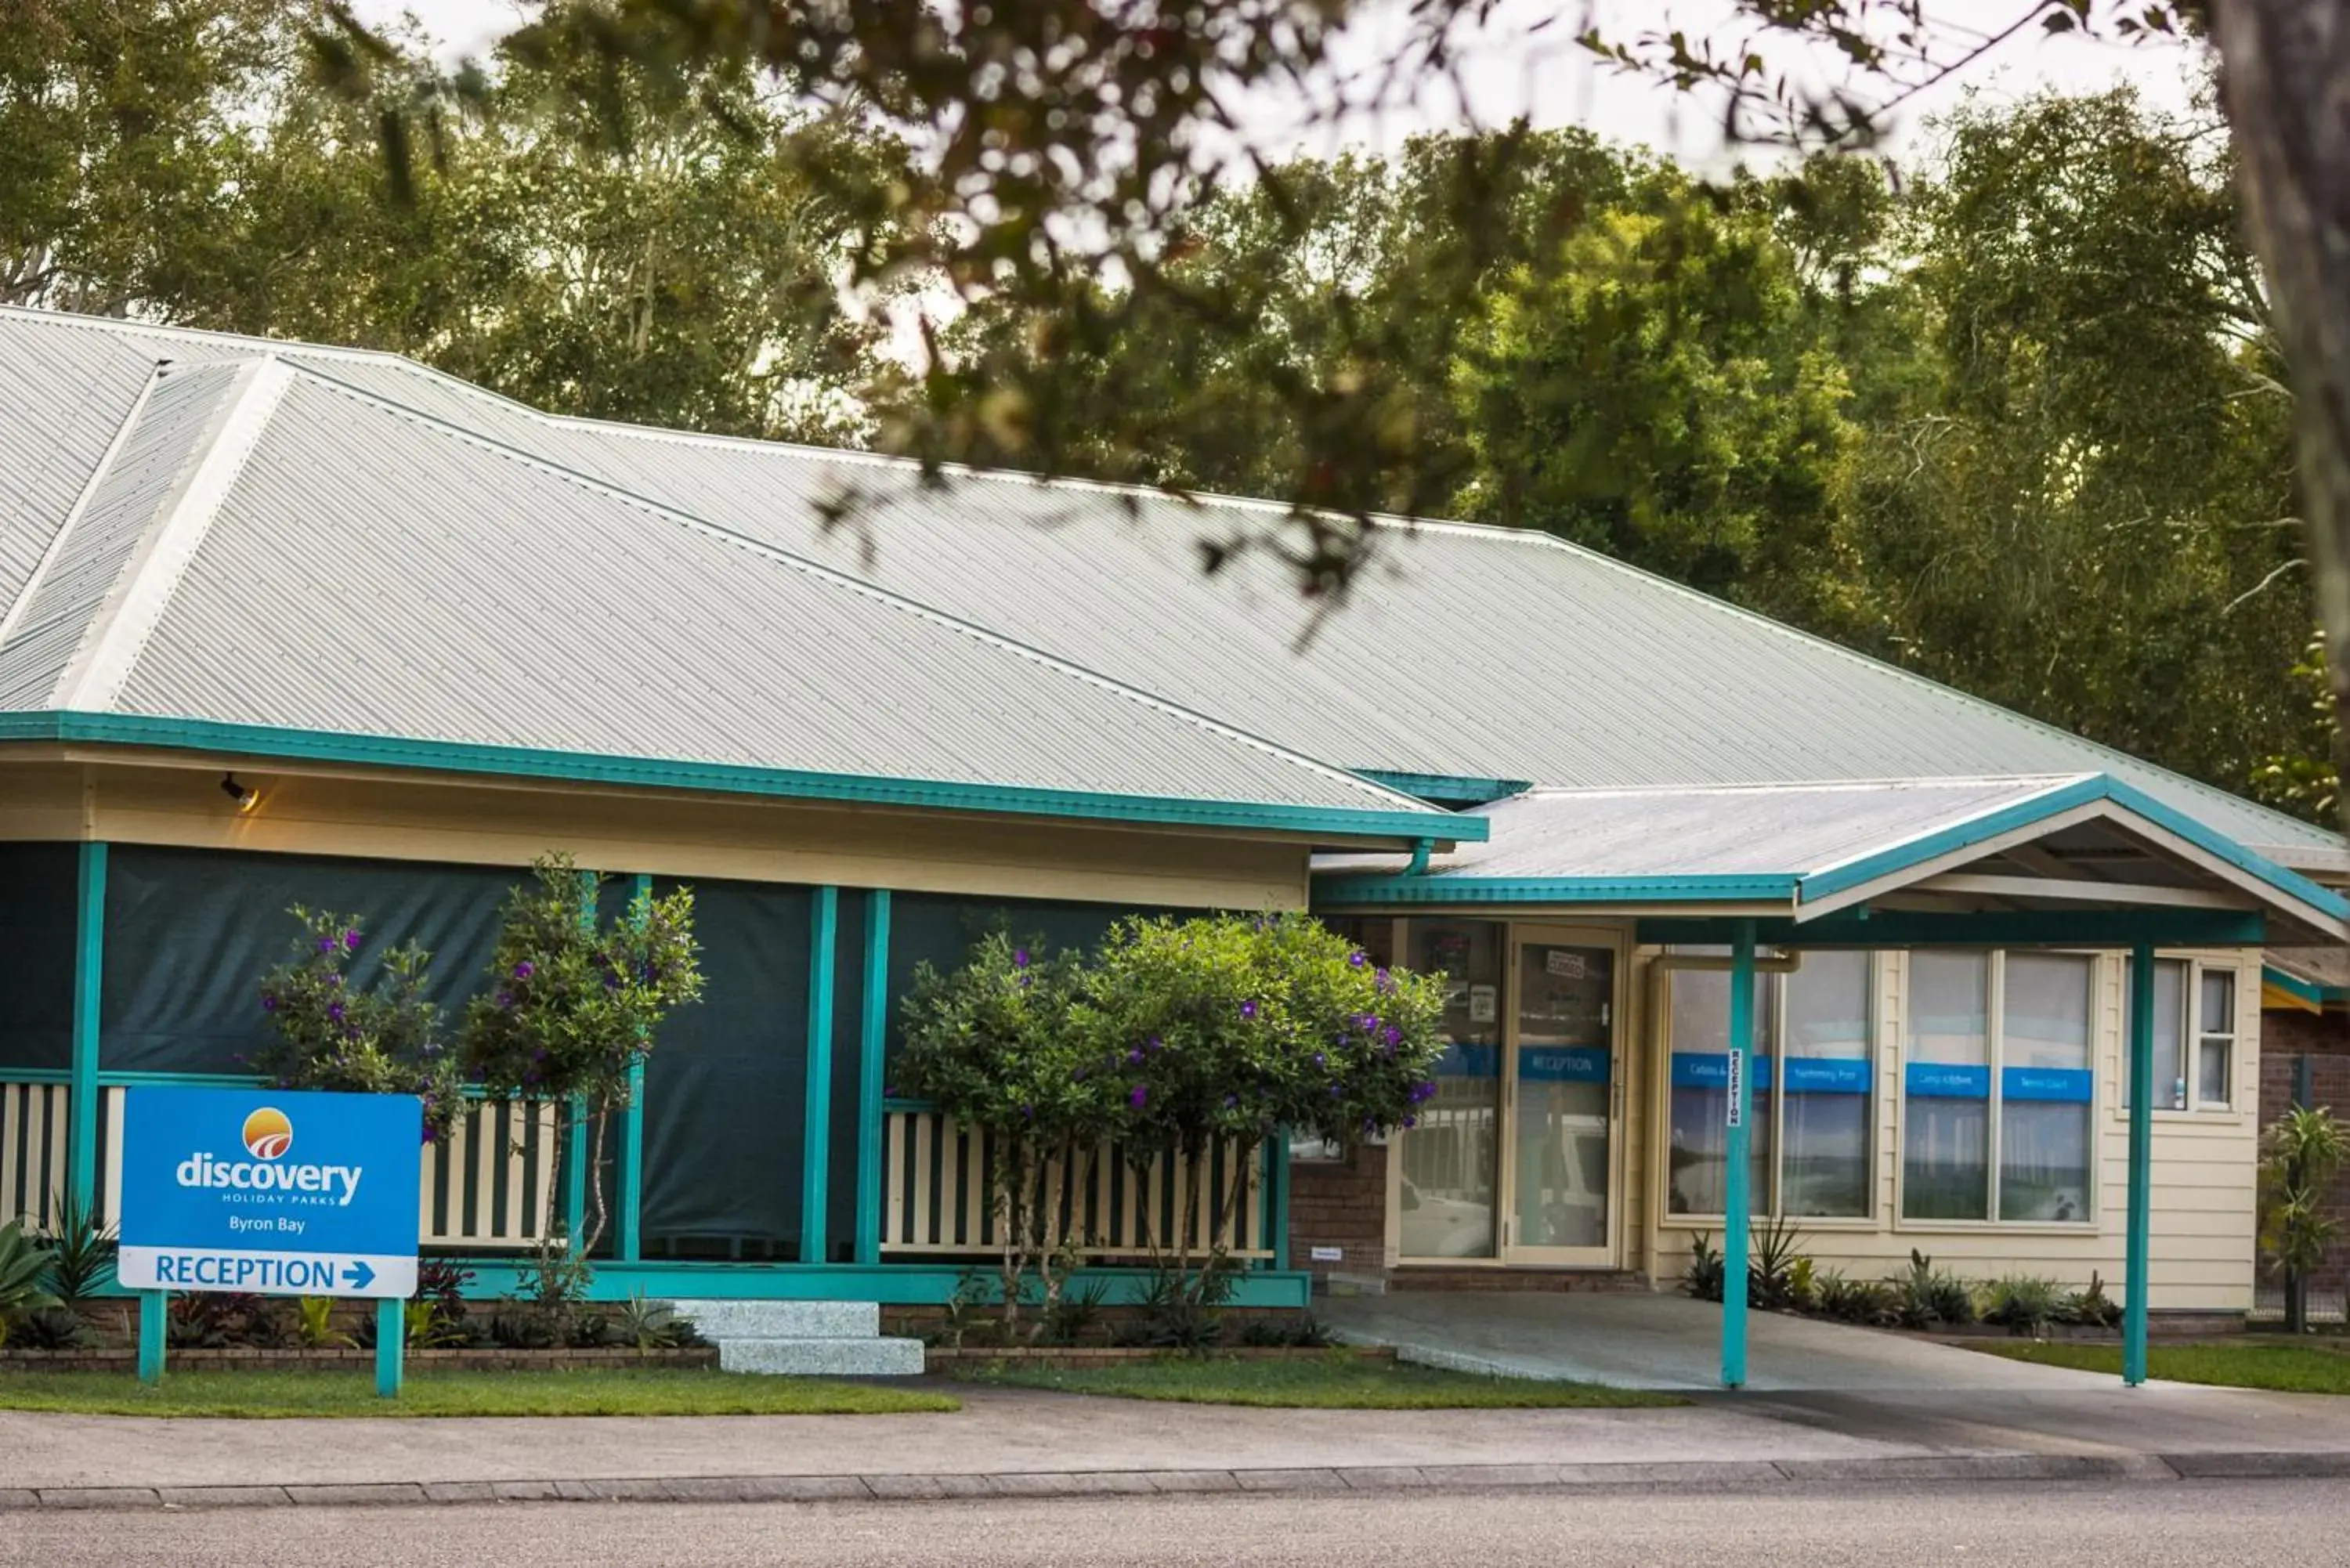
(246, 798)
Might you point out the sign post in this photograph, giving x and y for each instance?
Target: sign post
(275, 1192)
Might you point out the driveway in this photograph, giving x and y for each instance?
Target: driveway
(1637, 1340)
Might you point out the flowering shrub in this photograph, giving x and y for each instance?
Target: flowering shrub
(1229, 1026)
(1175, 1035)
(996, 1045)
(385, 1040)
(573, 1001)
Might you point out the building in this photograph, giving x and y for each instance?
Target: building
(288, 623)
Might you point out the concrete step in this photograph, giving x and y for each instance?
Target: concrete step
(720, 1321)
(831, 1357)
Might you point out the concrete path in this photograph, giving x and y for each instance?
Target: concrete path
(1655, 1341)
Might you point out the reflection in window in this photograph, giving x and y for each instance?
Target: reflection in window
(2047, 1091)
(1946, 1089)
(1452, 1155)
(1698, 1155)
(1826, 1081)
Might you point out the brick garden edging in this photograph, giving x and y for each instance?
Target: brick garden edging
(1071, 1358)
(247, 1359)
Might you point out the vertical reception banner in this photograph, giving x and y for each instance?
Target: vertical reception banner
(273, 1191)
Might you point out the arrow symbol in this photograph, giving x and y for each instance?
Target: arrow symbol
(359, 1276)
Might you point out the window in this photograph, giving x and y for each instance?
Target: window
(1946, 1089)
(1450, 1158)
(2194, 1037)
(1999, 1089)
(2047, 1088)
(2215, 1040)
(1809, 1133)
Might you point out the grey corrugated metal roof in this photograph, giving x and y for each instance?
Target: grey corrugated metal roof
(1724, 831)
(1468, 652)
(64, 600)
(353, 568)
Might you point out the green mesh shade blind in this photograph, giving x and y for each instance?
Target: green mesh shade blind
(725, 1087)
(940, 929)
(190, 933)
(37, 954)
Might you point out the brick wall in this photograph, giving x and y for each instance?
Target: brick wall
(1340, 1203)
(2325, 1040)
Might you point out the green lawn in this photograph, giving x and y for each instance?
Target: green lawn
(670, 1391)
(1339, 1381)
(2320, 1366)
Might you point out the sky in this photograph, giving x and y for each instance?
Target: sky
(1524, 60)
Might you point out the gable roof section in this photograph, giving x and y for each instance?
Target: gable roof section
(269, 561)
(1466, 652)
(1811, 851)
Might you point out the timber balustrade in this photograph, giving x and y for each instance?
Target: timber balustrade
(938, 1198)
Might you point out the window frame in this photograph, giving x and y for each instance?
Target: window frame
(2192, 1038)
(1995, 1105)
(1662, 1001)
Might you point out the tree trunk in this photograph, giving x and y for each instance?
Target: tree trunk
(2286, 79)
(595, 1183)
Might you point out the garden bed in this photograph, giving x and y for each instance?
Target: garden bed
(249, 1358)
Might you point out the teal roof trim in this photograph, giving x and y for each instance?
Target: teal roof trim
(1444, 890)
(2308, 990)
(472, 757)
(1446, 789)
(2055, 802)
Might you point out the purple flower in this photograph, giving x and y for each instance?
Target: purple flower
(1381, 978)
(268, 1002)
(1248, 1010)
(1028, 1113)
(335, 1011)
(1153, 1043)
(1412, 1121)
(326, 944)
(525, 970)
(351, 939)
(1137, 1096)
(505, 998)
(1134, 1056)
(1232, 1102)
(1019, 958)
(1358, 958)
(1392, 1035)
(1334, 1091)
(531, 1077)
(1318, 1059)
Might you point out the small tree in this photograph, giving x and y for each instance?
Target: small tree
(1232, 1027)
(999, 1046)
(574, 1002)
(329, 1034)
(2301, 1153)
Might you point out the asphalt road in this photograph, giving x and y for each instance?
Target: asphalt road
(2190, 1524)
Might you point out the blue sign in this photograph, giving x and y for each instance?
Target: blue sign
(1947, 1081)
(1711, 1070)
(2063, 1085)
(1562, 1065)
(1827, 1075)
(272, 1191)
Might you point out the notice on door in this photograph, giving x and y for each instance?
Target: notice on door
(1736, 1084)
(1563, 962)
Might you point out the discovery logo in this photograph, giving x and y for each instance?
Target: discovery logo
(268, 1137)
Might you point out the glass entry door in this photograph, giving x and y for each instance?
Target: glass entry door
(1561, 1100)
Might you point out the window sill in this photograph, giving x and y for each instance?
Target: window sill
(2076, 1228)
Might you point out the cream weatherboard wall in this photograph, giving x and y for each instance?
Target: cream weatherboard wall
(84, 794)
(2204, 1253)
